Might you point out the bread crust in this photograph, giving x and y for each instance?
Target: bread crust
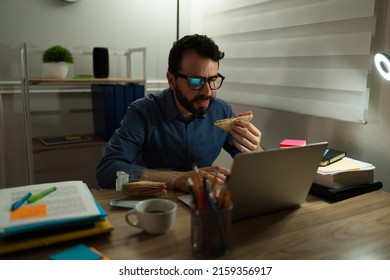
(145, 188)
(225, 124)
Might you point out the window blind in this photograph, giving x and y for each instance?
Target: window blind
(304, 56)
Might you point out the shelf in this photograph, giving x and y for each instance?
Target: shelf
(63, 105)
(85, 81)
(96, 141)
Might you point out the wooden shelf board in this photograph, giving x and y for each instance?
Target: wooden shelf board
(38, 146)
(84, 81)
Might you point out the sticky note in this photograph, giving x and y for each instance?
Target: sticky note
(29, 212)
(286, 143)
(79, 252)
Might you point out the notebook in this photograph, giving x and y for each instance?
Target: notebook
(272, 180)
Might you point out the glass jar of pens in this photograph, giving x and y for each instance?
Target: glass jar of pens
(211, 220)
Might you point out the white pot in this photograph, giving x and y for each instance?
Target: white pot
(56, 70)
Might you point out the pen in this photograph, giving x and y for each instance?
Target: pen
(326, 151)
(38, 196)
(20, 202)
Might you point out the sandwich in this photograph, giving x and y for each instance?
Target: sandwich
(225, 124)
(144, 188)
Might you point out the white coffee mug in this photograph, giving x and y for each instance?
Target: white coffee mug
(155, 216)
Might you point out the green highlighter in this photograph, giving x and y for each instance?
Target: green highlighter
(40, 195)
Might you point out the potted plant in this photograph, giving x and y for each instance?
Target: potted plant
(57, 60)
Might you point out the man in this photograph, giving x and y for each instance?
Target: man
(174, 129)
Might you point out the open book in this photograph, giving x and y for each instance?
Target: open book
(70, 205)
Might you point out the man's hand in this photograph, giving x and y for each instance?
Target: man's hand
(247, 138)
(216, 174)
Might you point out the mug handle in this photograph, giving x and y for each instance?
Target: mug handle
(129, 221)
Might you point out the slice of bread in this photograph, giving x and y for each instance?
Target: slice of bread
(225, 124)
(144, 188)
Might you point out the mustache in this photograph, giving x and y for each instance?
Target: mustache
(202, 97)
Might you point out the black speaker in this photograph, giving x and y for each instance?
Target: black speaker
(100, 62)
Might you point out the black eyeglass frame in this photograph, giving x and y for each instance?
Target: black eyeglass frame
(203, 80)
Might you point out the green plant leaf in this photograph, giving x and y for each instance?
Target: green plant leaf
(57, 53)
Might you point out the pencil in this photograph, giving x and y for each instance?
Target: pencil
(197, 174)
(227, 199)
(221, 198)
(214, 180)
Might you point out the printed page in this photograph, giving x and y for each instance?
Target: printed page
(71, 199)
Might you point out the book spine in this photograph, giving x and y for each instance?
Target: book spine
(103, 104)
(119, 105)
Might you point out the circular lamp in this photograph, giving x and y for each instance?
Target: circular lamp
(382, 63)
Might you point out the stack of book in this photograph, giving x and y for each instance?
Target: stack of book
(44, 214)
(110, 104)
(344, 178)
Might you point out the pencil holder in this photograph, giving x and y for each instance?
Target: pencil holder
(211, 231)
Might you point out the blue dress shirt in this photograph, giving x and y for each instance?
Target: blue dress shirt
(153, 134)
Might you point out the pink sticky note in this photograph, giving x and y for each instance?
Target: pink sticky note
(292, 143)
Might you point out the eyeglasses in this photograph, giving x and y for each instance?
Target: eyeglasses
(197, 83)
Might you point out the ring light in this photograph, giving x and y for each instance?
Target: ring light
(382, 63)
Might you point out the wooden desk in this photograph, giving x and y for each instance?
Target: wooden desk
(357, 228)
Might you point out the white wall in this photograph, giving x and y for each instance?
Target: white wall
(115, 24)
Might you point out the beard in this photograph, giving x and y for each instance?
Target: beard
(189, 104)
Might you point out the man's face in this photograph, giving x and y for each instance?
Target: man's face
(191, 102)
(198, 105)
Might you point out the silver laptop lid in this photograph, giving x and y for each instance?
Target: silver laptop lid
(273, 180)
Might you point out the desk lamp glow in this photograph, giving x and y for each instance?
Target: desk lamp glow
(382, 63)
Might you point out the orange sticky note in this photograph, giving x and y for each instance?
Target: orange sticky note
(29, 212)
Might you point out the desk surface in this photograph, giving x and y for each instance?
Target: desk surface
(357, 228)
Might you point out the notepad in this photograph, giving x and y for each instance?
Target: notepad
(79, 252)
(49, 141)
(331, 155)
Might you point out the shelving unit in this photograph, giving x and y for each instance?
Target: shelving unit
(50, 82)
(33, 85)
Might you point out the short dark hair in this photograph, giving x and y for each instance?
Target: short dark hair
(201, 44)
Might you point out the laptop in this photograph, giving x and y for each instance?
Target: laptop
(272, 180)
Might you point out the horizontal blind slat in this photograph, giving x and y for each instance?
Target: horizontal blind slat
(340, 44)
(304, 56)
(339, 79)
(295, 16)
